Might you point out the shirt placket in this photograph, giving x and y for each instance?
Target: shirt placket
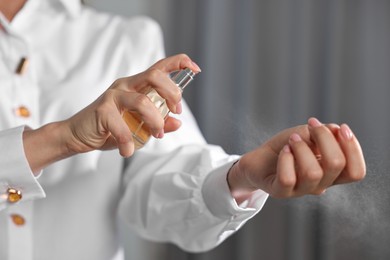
(20, 107)
(25, 107)
(19, 221)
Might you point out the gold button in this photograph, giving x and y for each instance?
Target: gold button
(14, 195)
(22, 66)
(23, 111)
(18, 220)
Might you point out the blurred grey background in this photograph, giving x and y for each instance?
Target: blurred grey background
(271, 64)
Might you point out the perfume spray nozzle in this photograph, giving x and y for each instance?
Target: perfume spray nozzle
(183, 77)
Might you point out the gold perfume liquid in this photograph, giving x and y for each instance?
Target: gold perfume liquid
(140, 131)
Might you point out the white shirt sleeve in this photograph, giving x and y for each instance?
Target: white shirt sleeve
(180, 194)
(15, 172)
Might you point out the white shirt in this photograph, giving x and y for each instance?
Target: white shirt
(173, 189)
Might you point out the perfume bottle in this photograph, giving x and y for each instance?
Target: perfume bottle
(140, 131)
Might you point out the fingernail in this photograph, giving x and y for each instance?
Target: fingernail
(314, 122)
(158, 134)
(161, 134)
(346, 132)
(286, 149)
(197, 68)
(295, 138)
(179, 108)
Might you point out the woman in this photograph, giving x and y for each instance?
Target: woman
(62, 195)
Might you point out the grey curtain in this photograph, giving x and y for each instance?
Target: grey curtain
(269, 65)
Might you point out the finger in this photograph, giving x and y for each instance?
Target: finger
(171, 124)
(121, 133)
(332, 157)
(110, 144)
(156, 84)
(285, 179)
(157, 77)
(279, 141)
(165, 88)
(165, 66)
(140, 109)
(176, 62)
(309, 170)
(164, 85)
(334, 128)
(355, 169)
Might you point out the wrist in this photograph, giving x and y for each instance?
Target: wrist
(239, 186)
(46, 145)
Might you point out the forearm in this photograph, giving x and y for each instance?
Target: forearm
(46, 145)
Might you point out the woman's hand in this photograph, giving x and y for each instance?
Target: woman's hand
(301, 160)
(100, 126)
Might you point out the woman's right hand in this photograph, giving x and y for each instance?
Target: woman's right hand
(100, 126)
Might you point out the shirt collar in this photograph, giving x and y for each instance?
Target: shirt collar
(72, 7)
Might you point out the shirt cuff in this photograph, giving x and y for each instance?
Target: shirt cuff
(15, 173)
(220, 202)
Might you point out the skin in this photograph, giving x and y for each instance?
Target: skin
(305, 159)
(100, 126)
(10, 8)
(302, 160)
